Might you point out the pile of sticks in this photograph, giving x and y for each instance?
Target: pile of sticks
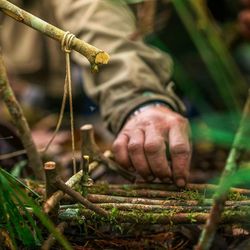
(141, 203)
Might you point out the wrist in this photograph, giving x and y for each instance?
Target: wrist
(147, 106)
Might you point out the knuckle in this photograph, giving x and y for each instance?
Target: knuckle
(178, 119)
(117, 146)
(152, 147)
(134, 147)
(181, 149)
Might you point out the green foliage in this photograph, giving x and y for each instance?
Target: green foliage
(14, 215)
(208, 41)
(16, 171)
(15, 207)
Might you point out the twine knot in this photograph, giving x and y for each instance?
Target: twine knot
(66, 42)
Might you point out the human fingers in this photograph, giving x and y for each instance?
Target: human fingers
(180, 151)
(120, 150)
(137, 156)
(155, 152)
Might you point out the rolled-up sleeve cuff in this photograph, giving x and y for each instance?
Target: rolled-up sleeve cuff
(120, 116)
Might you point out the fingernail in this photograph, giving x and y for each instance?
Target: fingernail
(180, 182)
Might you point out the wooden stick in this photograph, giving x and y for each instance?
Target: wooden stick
(90, 148)
(220, 197)
(16, 112)
(163, 208)
(154, 208)
(78, 197)
(99, 198)
(94, 55)
(50, 177)
(141, 217)
(57, 196)
(105, 189)
(171, 187)
(51, 239)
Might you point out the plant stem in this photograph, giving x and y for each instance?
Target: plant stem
(94, 55)
(220, 196)
(18, 118)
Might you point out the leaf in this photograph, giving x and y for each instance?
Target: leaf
(17, 220)
(16, 171)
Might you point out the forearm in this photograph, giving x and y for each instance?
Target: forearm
(136, 74)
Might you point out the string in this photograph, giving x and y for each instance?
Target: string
(66, 44)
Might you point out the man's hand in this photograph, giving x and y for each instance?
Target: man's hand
(244, 19)
(142, 145)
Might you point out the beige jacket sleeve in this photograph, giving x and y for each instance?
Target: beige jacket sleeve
(137, 74)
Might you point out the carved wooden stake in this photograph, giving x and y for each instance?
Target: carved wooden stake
(90, 148)
(50, 177)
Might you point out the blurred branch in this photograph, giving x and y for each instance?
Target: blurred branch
(94, 55)
(209, 43)
(20, 122)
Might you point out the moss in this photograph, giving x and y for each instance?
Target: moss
(235, 196)
(194, 195)
(192, 218)
(126, 187)
(99, 188)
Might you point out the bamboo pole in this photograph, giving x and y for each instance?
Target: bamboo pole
(18, 118)
(221, 194)
(94, 55)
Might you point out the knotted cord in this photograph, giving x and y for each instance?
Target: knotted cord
(66, 47)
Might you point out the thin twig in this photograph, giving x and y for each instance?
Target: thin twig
(12, 154)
